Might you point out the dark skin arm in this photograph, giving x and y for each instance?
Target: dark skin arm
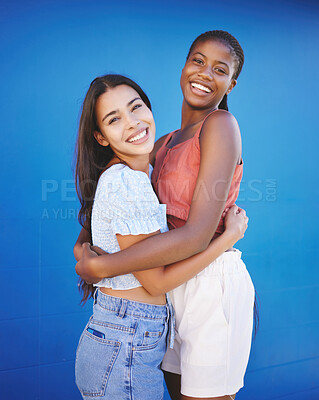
(220, 152)
(161, 280)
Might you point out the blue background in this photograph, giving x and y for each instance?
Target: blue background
(50, 52)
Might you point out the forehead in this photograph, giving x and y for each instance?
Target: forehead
(115, 98)
(214, 50)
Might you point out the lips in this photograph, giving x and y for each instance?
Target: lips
(137, 136)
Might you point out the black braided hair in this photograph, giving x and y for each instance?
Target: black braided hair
(232, 43)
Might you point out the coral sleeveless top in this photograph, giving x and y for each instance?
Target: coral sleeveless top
(174, 179)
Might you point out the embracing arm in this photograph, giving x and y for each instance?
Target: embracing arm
(161, 280)
(220, 152)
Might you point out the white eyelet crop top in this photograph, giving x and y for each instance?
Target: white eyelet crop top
(125, 204)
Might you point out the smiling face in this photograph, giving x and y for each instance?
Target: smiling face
(208, 75)
(125, 123)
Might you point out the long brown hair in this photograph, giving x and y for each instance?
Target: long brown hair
(91, 157)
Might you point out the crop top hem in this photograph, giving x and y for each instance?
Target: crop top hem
(115, 287)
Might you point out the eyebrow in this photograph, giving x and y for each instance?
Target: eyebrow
(219, 62)
(115, 111)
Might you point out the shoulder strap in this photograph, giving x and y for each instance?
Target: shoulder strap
(168, 138)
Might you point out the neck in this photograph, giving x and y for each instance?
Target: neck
(192, 116)
(137, 163)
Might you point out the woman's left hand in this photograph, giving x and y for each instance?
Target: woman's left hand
(84, 265)
(236, 222)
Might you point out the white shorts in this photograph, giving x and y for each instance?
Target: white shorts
(214, 322)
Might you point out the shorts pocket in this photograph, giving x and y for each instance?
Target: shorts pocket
(95, 357)
(224, 300)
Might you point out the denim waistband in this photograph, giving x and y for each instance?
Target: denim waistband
(136, 309)
(129, 307)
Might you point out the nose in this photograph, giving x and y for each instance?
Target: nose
(131, 120)
(206, 73)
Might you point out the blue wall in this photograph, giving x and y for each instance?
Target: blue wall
(50, 51)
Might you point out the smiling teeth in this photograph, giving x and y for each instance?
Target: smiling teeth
(201, 87)
(139, 136)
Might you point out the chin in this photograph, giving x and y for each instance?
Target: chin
(199, 105)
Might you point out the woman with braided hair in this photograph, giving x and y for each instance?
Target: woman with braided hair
(197, 174)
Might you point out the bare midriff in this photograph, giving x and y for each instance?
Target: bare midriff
(137, 294)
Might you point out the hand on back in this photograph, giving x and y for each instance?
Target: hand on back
(236, 221)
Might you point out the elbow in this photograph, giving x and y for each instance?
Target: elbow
(156, 291)
(156, 288)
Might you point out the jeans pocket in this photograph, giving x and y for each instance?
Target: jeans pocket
(95, 357)
(152, 336)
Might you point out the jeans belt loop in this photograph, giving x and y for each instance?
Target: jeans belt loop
(95, 295)
(123, 308)
(171, 322)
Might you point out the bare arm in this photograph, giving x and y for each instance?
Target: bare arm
(220, 151)
(163, 279)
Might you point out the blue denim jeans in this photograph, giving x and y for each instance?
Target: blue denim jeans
(121, 349)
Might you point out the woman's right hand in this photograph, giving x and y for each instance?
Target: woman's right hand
(84, 266)
(236, 222)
